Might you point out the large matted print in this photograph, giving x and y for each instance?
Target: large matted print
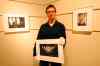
(49, 50)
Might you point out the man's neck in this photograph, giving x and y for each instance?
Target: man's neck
(51, 22)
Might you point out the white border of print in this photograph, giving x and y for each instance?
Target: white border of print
(59, 59)
(6, 25)
(88, 26)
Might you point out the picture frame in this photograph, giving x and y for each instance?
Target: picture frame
(15, 23)
(35, 22)
(58, 59)
(82, 19)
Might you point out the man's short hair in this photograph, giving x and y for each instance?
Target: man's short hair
(50, 6)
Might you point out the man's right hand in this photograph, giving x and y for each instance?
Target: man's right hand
(35, 58)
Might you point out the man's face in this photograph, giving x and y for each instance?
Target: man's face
(51, 13)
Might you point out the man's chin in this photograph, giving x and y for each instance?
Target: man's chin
(51, 19)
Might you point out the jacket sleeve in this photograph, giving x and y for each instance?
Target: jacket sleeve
(63, 34)
(38, 37)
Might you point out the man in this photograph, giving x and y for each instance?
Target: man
(51, 30)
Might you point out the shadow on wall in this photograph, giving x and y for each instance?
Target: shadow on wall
(82, 32)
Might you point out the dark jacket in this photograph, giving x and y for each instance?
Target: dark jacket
(54, 32)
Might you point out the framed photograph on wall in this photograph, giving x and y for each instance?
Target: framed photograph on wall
(16, 23)
(53, 52)
(82, 19)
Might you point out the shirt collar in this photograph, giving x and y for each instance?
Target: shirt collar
(52, 24)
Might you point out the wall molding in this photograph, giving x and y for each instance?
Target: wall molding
(35, 3)
(70, 30)
(66, 30)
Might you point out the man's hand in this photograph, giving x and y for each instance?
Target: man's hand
(35, 58)
(61, 41)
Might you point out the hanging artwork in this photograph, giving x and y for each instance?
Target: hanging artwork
(16, 23)
(82, 19)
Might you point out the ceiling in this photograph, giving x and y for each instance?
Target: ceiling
(37, 2)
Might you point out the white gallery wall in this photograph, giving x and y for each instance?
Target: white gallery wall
(16, 48)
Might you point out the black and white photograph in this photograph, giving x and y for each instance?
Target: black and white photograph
(49, 50)
(16, 22)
